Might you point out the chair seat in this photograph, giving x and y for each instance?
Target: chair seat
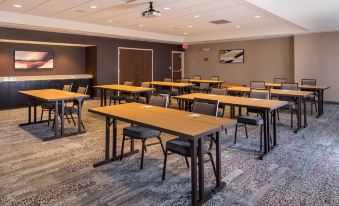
(70, 110)
(181, 146)
(118, 97)
(290, 105)
(251, 120)
(141, 100)
(48, 105)
(140, 132)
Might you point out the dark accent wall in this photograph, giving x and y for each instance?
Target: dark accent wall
(107, 51)
(67, 60)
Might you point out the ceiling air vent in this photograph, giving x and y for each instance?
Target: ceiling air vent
(220, 21)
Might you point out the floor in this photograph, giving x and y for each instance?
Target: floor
(302, 170)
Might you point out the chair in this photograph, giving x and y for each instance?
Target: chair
(292, 102)
(143, 95)
(253, 120)
(257, 85)
(313, 99)
(181, 146)
(196, 77)
(144, 133)
(203, 87)
(216, 78)
(217, 91)
(49, 106)
(123, 95)
(167, 80)
(74, 109)
(185, 80)
(280, 80)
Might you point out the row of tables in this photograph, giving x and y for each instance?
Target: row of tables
(176, 122)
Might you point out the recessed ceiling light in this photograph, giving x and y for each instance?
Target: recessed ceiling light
(109, 20)
(189, 26)
(257, 17)
(167, 8)
(238, 27)
(196, 16)
(17, 5)
(185, 33)
(93, 7)
(141, 25)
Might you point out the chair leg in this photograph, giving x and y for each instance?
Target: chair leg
(213, 165)
(291, 118)
(82, 124)
(246, 131)
(49, 117)
(187, 163)
(278, 115)
(162, 146)
(42, 114)
(122, 146)
(236, 131)
(142, 153)
(73, 119)
(225, 130)
(261, 128)
(67, 119)
(311, 107)
(164, 167)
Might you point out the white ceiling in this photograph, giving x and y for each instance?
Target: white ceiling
(119, 19)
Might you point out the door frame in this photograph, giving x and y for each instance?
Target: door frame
(132, 49)
(182, 62)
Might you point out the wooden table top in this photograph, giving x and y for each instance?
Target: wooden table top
(237, 101)
(279, 92)
(206, 81)
(225, 85)
(51, 95)
(311, 87)
(171, 84)
(168, 120)
(124, 88)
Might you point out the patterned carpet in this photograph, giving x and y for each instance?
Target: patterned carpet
(302, 170)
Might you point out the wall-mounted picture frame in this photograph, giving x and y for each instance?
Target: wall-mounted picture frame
(30, 60)
(231, 56)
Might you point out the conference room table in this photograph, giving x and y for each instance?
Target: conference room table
(318, 89)
(192, 127)
(59, 97)
(217, 83)
(265, 106)
(116, 88)
(180, 86)
(299, 95)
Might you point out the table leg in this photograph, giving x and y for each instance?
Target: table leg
(218, 159)
(105, 97)
(34, 110)
(30, 111)
(194, 171)
(201, 169)
(275, 128)
(114, 142)
(298, 114)
(101, 97)
(56, 114)
(62, 117)
(305, 112)
(266, 133)
(320, 103)
(80, 101)
(107, 144)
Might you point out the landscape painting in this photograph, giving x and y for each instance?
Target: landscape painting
(231, 56)
(33, 60)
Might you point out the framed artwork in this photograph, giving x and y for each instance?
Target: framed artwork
(231, 56)
(28, 60)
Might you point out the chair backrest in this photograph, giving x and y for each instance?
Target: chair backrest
(82, 90)
(257, 85)
(219, 91)
(145, 84)
(289, 86)
(128, 83)
(280, 80)
(205, 106)
(204, 85)
(197, 77)
(67, 87)
(167, 80)
(260, 93)
(309, 82)
(215, 78)
(185, 80)
(160, 101)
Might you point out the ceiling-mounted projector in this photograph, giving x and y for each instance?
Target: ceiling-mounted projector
(150, 12)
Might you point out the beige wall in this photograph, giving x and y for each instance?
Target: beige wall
(264, 60)
(317, 56)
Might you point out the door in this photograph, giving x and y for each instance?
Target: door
(177, 64)
(135, 65)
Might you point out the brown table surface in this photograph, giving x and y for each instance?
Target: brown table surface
(165, 119)
(278, 92)
(277, 85)
(225, 85)
(171, 84)
(206, 81)
(236, 101)
(124, 88)
(51, 95)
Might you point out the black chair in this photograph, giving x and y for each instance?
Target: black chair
(74, 109)
(216, 78)
(217, 91)
(202, 87)
(279, 80)
(253, 120)
(313, 98)
(196, 86)
(49, 106)
(185, 80)
(181, 146)
(167, 80)
(292, 102)
(196, 77)
(123, 95)
(257, 85)
(143, 95)
(144, 133)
